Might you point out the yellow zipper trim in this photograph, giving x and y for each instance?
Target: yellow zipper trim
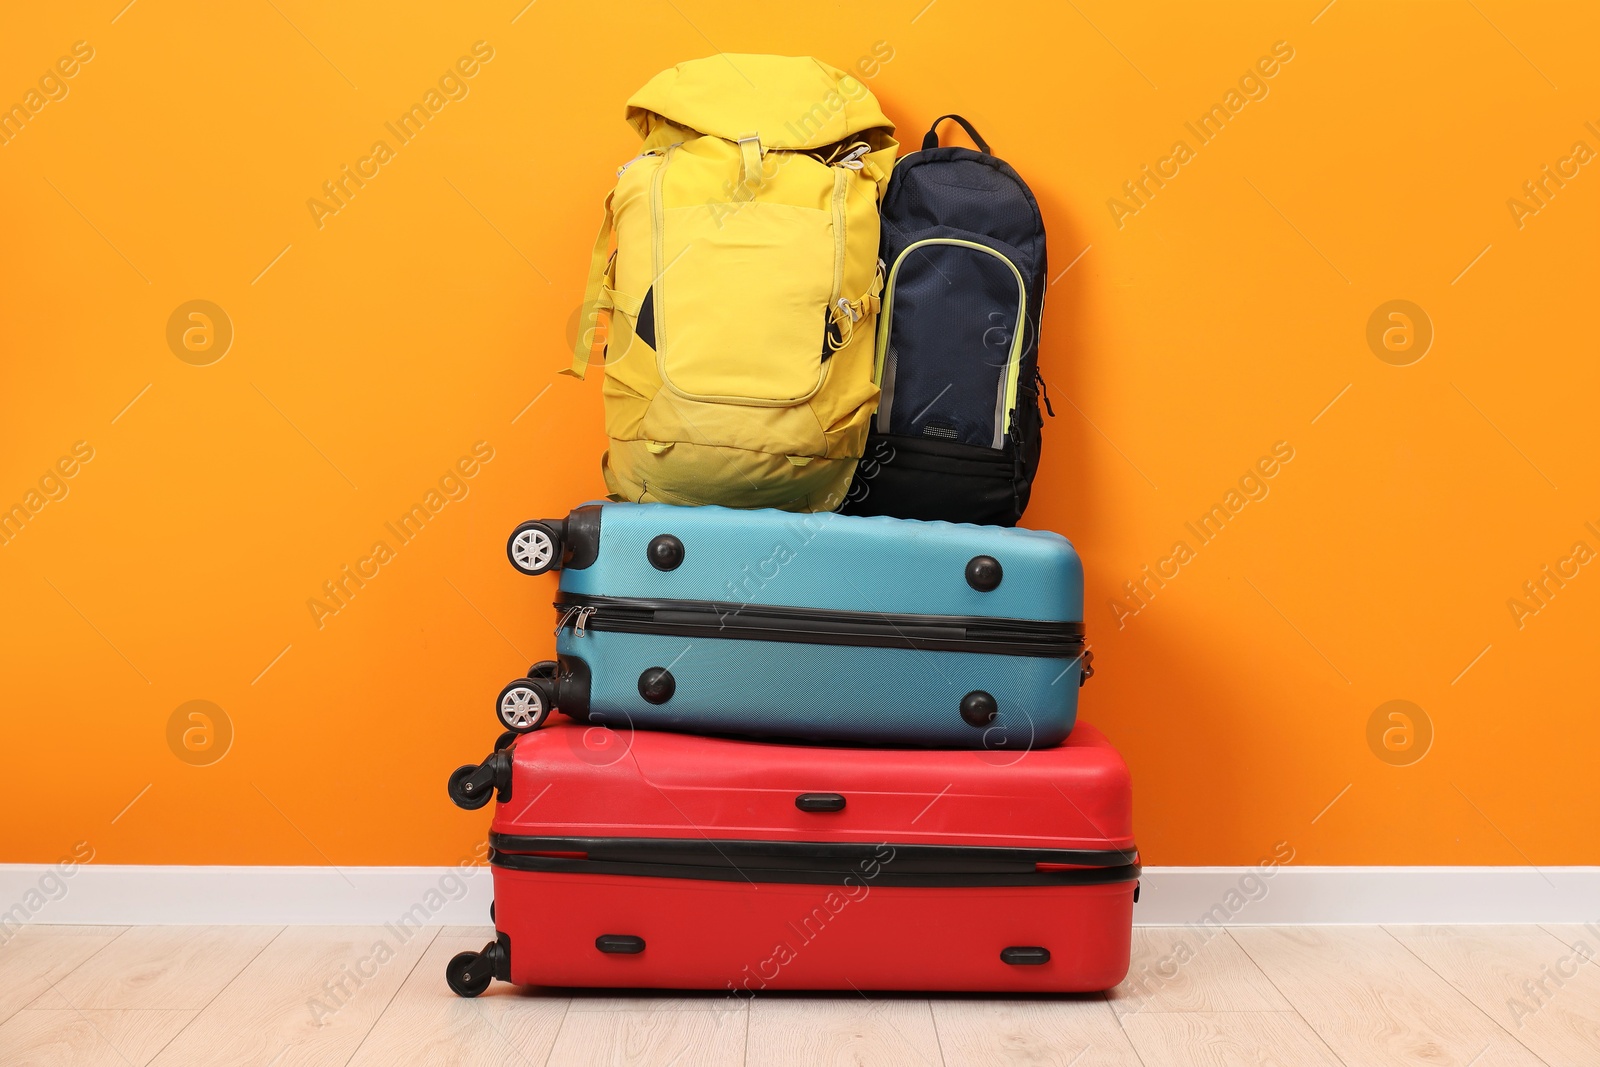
(840, 177)
(658, 252)
(1013, 361)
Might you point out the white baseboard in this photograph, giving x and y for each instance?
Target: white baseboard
(1294, 895)
(107, 894)
(103, 894)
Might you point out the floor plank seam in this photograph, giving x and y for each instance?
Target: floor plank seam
(745, 1060)
(1212, 1011)
(423, 951)
(106, 1040)
(70, 971)
(46, 976)
(1458, 991)
(1570, 944)
(1303, 1020)
(1105, 998)
(566, 1013)
(219, 991)
(873, 1009)
(483, 1017)
(938, 1041)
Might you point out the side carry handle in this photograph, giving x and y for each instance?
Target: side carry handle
(931, 138)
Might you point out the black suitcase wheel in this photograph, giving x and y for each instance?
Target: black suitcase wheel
(525, 704)
(504, 740)
(472, 785)
(545, 668)
(535, 547)
(466, 793)
(468, 973)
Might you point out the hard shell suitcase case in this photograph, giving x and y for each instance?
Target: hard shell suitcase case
(823, 627)
(665, 860)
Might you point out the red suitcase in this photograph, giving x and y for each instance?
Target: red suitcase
(666, 860)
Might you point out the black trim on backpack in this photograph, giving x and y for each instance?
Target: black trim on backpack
(645, 327)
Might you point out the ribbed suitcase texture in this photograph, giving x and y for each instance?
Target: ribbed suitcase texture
(664, 860)
(823, 627)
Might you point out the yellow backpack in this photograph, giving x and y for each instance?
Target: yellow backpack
(743, 292)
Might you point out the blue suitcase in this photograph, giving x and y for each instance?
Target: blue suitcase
(820, 627)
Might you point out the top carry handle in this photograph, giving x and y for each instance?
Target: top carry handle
(931, 138)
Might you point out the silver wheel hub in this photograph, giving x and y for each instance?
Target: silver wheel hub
(533, 550)
(521, 708)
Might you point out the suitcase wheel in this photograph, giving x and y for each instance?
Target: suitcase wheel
(469, 973)
(473, 784)
(535, 547)
(466, 790)
(525, 704)
(504, 740)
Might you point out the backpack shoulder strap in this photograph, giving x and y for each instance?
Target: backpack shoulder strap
(594, 300)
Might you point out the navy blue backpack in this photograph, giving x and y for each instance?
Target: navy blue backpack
(957, 431)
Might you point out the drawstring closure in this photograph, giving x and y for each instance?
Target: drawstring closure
(844, 314)
(851, 157)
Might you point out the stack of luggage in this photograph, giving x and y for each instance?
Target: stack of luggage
(817, 694)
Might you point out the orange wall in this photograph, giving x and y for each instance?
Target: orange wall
(1193, 335)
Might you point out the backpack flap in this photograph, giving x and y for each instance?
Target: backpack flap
(790, 103)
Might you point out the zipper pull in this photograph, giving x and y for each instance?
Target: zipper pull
(583, 618)
(646, 155)
(1044, 392)
(566, 617)
(635, 159)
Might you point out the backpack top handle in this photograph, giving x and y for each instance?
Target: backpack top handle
(931, 138)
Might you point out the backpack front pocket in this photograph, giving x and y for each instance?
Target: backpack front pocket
(956, 311)
(741, 299)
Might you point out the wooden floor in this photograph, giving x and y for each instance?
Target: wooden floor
(1469, 996)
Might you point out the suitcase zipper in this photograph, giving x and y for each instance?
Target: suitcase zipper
(565, 617)
(709, 618)
(816, 863)
(579, 616)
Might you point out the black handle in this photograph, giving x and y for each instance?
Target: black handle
(619, 944)
(931, 138)
(1025, 955)
(819, 802)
